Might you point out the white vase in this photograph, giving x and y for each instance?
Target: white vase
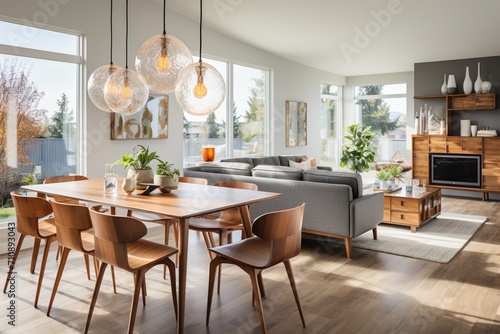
(444, 90)
(467, 82)
(452, 84)
(128, 185)
(478, 83)
(465, 127)
(486, 87)
(141, 176)
(473, 130)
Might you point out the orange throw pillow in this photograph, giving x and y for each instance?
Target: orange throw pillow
(312, 160)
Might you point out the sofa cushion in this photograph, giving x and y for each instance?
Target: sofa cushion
(271, 160)
(236, 168)
(277, 172)
(304, 165)
(349, 178)
(247, 160)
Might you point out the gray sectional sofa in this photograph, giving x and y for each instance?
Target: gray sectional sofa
(335, 204)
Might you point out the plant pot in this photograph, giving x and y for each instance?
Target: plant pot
(141, 176)
(166, 182)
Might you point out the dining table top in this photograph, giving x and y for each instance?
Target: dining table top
(188, 200)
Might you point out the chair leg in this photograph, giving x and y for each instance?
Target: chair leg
(348, 247)
(289, 272)
(87, 266)
(113, 279)
(58, 252)
(34, 255)
(13, 262)
(46, 250)
(139, 278)
(96, 266)
(374, 231)
(211, 280)
(256, 293)
(261, 285)
(60, 270)
(173, 286)
(94, 296)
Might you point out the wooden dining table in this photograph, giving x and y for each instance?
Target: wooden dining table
(187, 201)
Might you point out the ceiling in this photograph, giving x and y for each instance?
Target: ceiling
(357, 37)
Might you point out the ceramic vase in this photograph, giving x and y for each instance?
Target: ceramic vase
(465, 127)
(452, 84)
(486, 87)
(473, 130)
(479, 82)
(467, 82)
(128, 185)
(141, 176)
(444, 90)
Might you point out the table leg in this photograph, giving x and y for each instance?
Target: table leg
(183, 255)
(247, 220)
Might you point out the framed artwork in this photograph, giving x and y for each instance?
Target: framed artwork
(151, 122)
(296, 123)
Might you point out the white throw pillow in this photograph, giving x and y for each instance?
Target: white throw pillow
(302, 165)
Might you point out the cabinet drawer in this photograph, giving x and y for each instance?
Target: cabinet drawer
(437, 144)
(491, 182)
(491, 161)
(404, 204)
(492, 145)
(472, 145)
(409, 218)
(454, 144)
(420, 144)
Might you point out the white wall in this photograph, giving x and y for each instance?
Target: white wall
(292, 81)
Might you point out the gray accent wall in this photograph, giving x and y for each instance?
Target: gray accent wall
(429, 78)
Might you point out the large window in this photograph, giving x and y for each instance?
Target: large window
(330, 97)
(238, 127)
(383, 108)
(40, 97)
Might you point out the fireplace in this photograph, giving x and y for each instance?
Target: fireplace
(459, 170)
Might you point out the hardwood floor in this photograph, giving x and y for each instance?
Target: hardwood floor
(372, 293)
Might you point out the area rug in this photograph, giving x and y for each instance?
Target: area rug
(439, 240)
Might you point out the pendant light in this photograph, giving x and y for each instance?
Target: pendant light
(95, 85)
(200, 88)
(160, 59)
(125, 92)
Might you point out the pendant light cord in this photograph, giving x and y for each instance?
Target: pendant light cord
(164, 10)
(201, 24)
(111, 34)
(126, 35)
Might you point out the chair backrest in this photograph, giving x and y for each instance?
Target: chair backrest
(233, 215)
(64, 178)
(195, 180)
(112, 234)
(283, 229)
(71, 220)
(29, 210)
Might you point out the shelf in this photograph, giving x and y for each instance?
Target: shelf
(429, 97)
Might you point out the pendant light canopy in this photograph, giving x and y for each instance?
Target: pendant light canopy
(200, 88)
(125, 91)
(95, 85)
(160, 59)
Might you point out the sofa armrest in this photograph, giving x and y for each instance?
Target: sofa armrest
(328, 168)
(367, 212)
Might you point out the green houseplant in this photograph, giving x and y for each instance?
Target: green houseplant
(358, 152)
(166, 176)
(138, 164)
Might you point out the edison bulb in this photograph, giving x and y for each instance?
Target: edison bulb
(125, 91)
(130, 94)
(200, 90)
(163, 63)
(111, 88)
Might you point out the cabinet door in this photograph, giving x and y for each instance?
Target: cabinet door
(420, 144)
(420, 166)
(472, 145)
(492, 145)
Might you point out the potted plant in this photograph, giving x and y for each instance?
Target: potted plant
(166, 176)
(138, 165)
(359, 152)
(383, 176)
(395, 171)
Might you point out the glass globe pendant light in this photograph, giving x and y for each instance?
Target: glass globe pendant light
(95, 85)
(160, 59)
(200, 88)
(125, 91)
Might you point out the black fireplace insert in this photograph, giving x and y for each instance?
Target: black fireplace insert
(460, 170)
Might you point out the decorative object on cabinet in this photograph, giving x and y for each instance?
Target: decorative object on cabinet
(486, 87)
(435, 120)
(479, 82)
(473, 130)
(467, 82)
(452, 84)
(443, 127)
(444, 90)
(465, 128)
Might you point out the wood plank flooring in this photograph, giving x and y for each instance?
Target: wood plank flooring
(372, 293)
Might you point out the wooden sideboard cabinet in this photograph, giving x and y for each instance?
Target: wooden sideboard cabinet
(487, 147)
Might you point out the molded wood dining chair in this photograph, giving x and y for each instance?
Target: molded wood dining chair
(118, 242)
(224, 225)
(74, 232)
(32, 220)
(277, 239)
(166, 221)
